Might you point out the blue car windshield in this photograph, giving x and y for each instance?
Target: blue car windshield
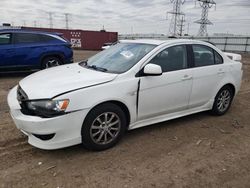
(118, 58)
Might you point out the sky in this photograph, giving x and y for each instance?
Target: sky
(125, 16)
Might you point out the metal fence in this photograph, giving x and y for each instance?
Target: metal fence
(236, 44)
(225, 43)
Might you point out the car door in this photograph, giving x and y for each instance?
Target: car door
(27, 49)
(208, 71)
(6, 50)
(170, 91)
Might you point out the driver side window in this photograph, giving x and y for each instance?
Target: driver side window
(171, 59)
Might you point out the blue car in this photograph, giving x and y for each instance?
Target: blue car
(21, 49)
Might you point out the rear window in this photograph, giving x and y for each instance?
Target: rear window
(46, 38)
(27, 38)
(218, 58)
(33, 38)
(5, 39)
(203, 55)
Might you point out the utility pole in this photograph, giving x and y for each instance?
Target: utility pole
(174, 28)
(50, 20)
(188, 28)
(67, 20)
(24, 23)
(204, 21)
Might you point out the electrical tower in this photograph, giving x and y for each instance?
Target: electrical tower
(176, 23)
(67, 20)
(24, 23)
(50, 20)
(182, 21)
(205, 5)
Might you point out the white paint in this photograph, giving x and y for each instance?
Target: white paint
(163, 97)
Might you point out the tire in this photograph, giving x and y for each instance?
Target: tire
(51, 61)
(98, 135)
(223, 101)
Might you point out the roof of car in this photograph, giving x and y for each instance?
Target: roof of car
(159, 42)
(26, 31)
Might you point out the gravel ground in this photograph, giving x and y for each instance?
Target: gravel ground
(195, 151)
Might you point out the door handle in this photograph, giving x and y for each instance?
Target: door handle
(221, 71)
(187, 77)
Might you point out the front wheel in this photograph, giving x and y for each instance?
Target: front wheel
(104, 126)
(51, 61)
(223, 101)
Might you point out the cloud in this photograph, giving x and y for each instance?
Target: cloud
(140, 3)
(124, 16)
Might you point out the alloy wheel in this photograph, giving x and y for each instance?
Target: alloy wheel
(105, 128)
(52, 63)
(224, 100)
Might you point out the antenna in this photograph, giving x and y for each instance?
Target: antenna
(205, 5)
(175, 25)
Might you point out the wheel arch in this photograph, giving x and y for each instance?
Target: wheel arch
(231, 86)
(57, 55)
(124, 108)
(215, 110)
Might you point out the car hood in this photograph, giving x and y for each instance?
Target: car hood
(55, 81)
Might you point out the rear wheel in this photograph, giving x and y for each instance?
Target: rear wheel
(223, 101)
(104, 126)
(51, 61)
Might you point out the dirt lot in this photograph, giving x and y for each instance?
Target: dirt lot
(195, 151)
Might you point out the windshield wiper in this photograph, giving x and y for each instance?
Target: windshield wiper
(97, 68)
(94, 67)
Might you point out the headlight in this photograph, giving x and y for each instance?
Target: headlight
(48, 108)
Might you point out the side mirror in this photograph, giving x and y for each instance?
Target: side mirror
(152, 70)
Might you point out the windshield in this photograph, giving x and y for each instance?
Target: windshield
(118, 58)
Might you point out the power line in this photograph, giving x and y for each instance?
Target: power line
(204, 21)
(174, 28)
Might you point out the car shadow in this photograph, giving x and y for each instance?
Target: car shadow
(167, 124)
(16, 74)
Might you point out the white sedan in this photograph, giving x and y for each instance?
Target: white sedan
(130, 85)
